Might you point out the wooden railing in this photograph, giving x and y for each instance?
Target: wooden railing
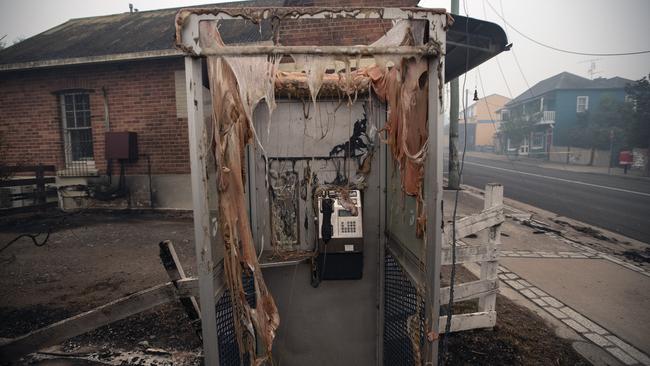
(34, 199)
(487, 224)
(548, 116)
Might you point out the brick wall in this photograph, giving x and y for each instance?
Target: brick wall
(337, 31)
(141, 98)
(354, 3)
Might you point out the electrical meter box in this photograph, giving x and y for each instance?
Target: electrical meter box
(340, 235)
(122, 146)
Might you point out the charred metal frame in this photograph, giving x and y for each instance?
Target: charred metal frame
(206, 236)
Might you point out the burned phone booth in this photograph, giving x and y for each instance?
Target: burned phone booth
(317, 182)
(312, 165)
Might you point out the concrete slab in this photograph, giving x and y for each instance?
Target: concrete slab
(521, 237)
(612, 296)
(596, 355)
(467, 204)
(516, 236)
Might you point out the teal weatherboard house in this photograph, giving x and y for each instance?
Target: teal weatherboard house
(553, 106)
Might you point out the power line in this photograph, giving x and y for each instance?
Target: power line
(504, 78)
(530, 90)
(514, 55)
(496, 128)
(452, 275)
(503, 75)
(563, 50)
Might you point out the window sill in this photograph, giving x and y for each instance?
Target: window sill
(79, 169)
(75, 173)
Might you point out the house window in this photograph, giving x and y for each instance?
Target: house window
(77, 131)
(505, 115)
(629, 99)
(538, 140)
(582, 104)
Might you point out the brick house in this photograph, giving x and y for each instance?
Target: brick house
(63, 89)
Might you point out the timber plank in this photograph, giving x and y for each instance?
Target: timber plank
(470, 290)
(27, 168)
(460, 322)
(469, 254)
(473, 224)
(85, 322)
(26, 181)
(175, 271)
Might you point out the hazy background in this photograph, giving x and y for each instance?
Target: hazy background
(593, 26)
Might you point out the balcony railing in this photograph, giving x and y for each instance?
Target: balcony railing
(548, 116)
(538, 117)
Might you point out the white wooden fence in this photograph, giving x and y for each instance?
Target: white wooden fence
(487, 226)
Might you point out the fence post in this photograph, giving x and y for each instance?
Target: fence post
(433, 195)
(493, 198)
(40, 197)
(205, 235)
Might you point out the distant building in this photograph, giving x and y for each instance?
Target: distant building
(554, 105)
(482, 123)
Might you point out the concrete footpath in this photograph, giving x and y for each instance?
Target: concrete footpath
(616, 171)
(581, 279)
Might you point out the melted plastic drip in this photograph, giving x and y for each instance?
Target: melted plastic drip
(314, 67)
(405, 88)
(403, 32)
(232, 131)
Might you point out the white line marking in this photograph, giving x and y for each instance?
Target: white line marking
(560, 179)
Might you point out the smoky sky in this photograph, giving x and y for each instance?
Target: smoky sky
(592, 26)
(589, 26)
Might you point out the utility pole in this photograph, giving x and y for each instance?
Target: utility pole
(611, 151)
(453, 181)
(465, 126)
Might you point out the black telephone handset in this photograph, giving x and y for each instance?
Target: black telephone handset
(327, 230)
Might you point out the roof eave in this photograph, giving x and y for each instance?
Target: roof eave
(514, 103)
(471, 42)
(132, 56)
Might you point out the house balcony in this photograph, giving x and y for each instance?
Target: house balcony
(546, 118)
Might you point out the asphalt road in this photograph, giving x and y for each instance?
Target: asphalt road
(619, 204)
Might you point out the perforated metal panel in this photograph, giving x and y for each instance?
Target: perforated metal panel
(228, 348)
(403, 317)
(248, 282)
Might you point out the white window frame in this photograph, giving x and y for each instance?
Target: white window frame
(69, 126)
(580, 98)
(509, 145)
(629, 99)
(505, 112)
(533, 141)
(524, 147)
